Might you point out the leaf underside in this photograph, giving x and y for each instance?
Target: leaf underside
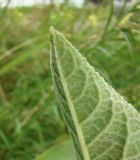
(102, 124)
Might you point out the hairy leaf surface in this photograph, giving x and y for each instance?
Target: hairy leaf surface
(102, 124)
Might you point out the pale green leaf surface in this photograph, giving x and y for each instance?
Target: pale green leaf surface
(64, 151)
(102, 124)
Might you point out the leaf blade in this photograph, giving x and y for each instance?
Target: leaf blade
(62, 151)
(102, 121)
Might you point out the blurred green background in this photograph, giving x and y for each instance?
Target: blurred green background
(31, 124)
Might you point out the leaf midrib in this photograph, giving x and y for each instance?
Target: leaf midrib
(73, 113)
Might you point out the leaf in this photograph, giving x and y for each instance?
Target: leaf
(102, 124)
(63, 151)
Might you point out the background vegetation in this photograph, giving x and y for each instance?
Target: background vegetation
(30, 119)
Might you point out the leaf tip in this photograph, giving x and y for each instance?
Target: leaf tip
(53, 32)
(52, 29)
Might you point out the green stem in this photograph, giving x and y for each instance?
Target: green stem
(108, 20)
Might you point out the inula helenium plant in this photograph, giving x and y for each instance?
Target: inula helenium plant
(102, 124)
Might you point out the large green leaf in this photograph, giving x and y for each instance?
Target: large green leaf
(102, 124)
